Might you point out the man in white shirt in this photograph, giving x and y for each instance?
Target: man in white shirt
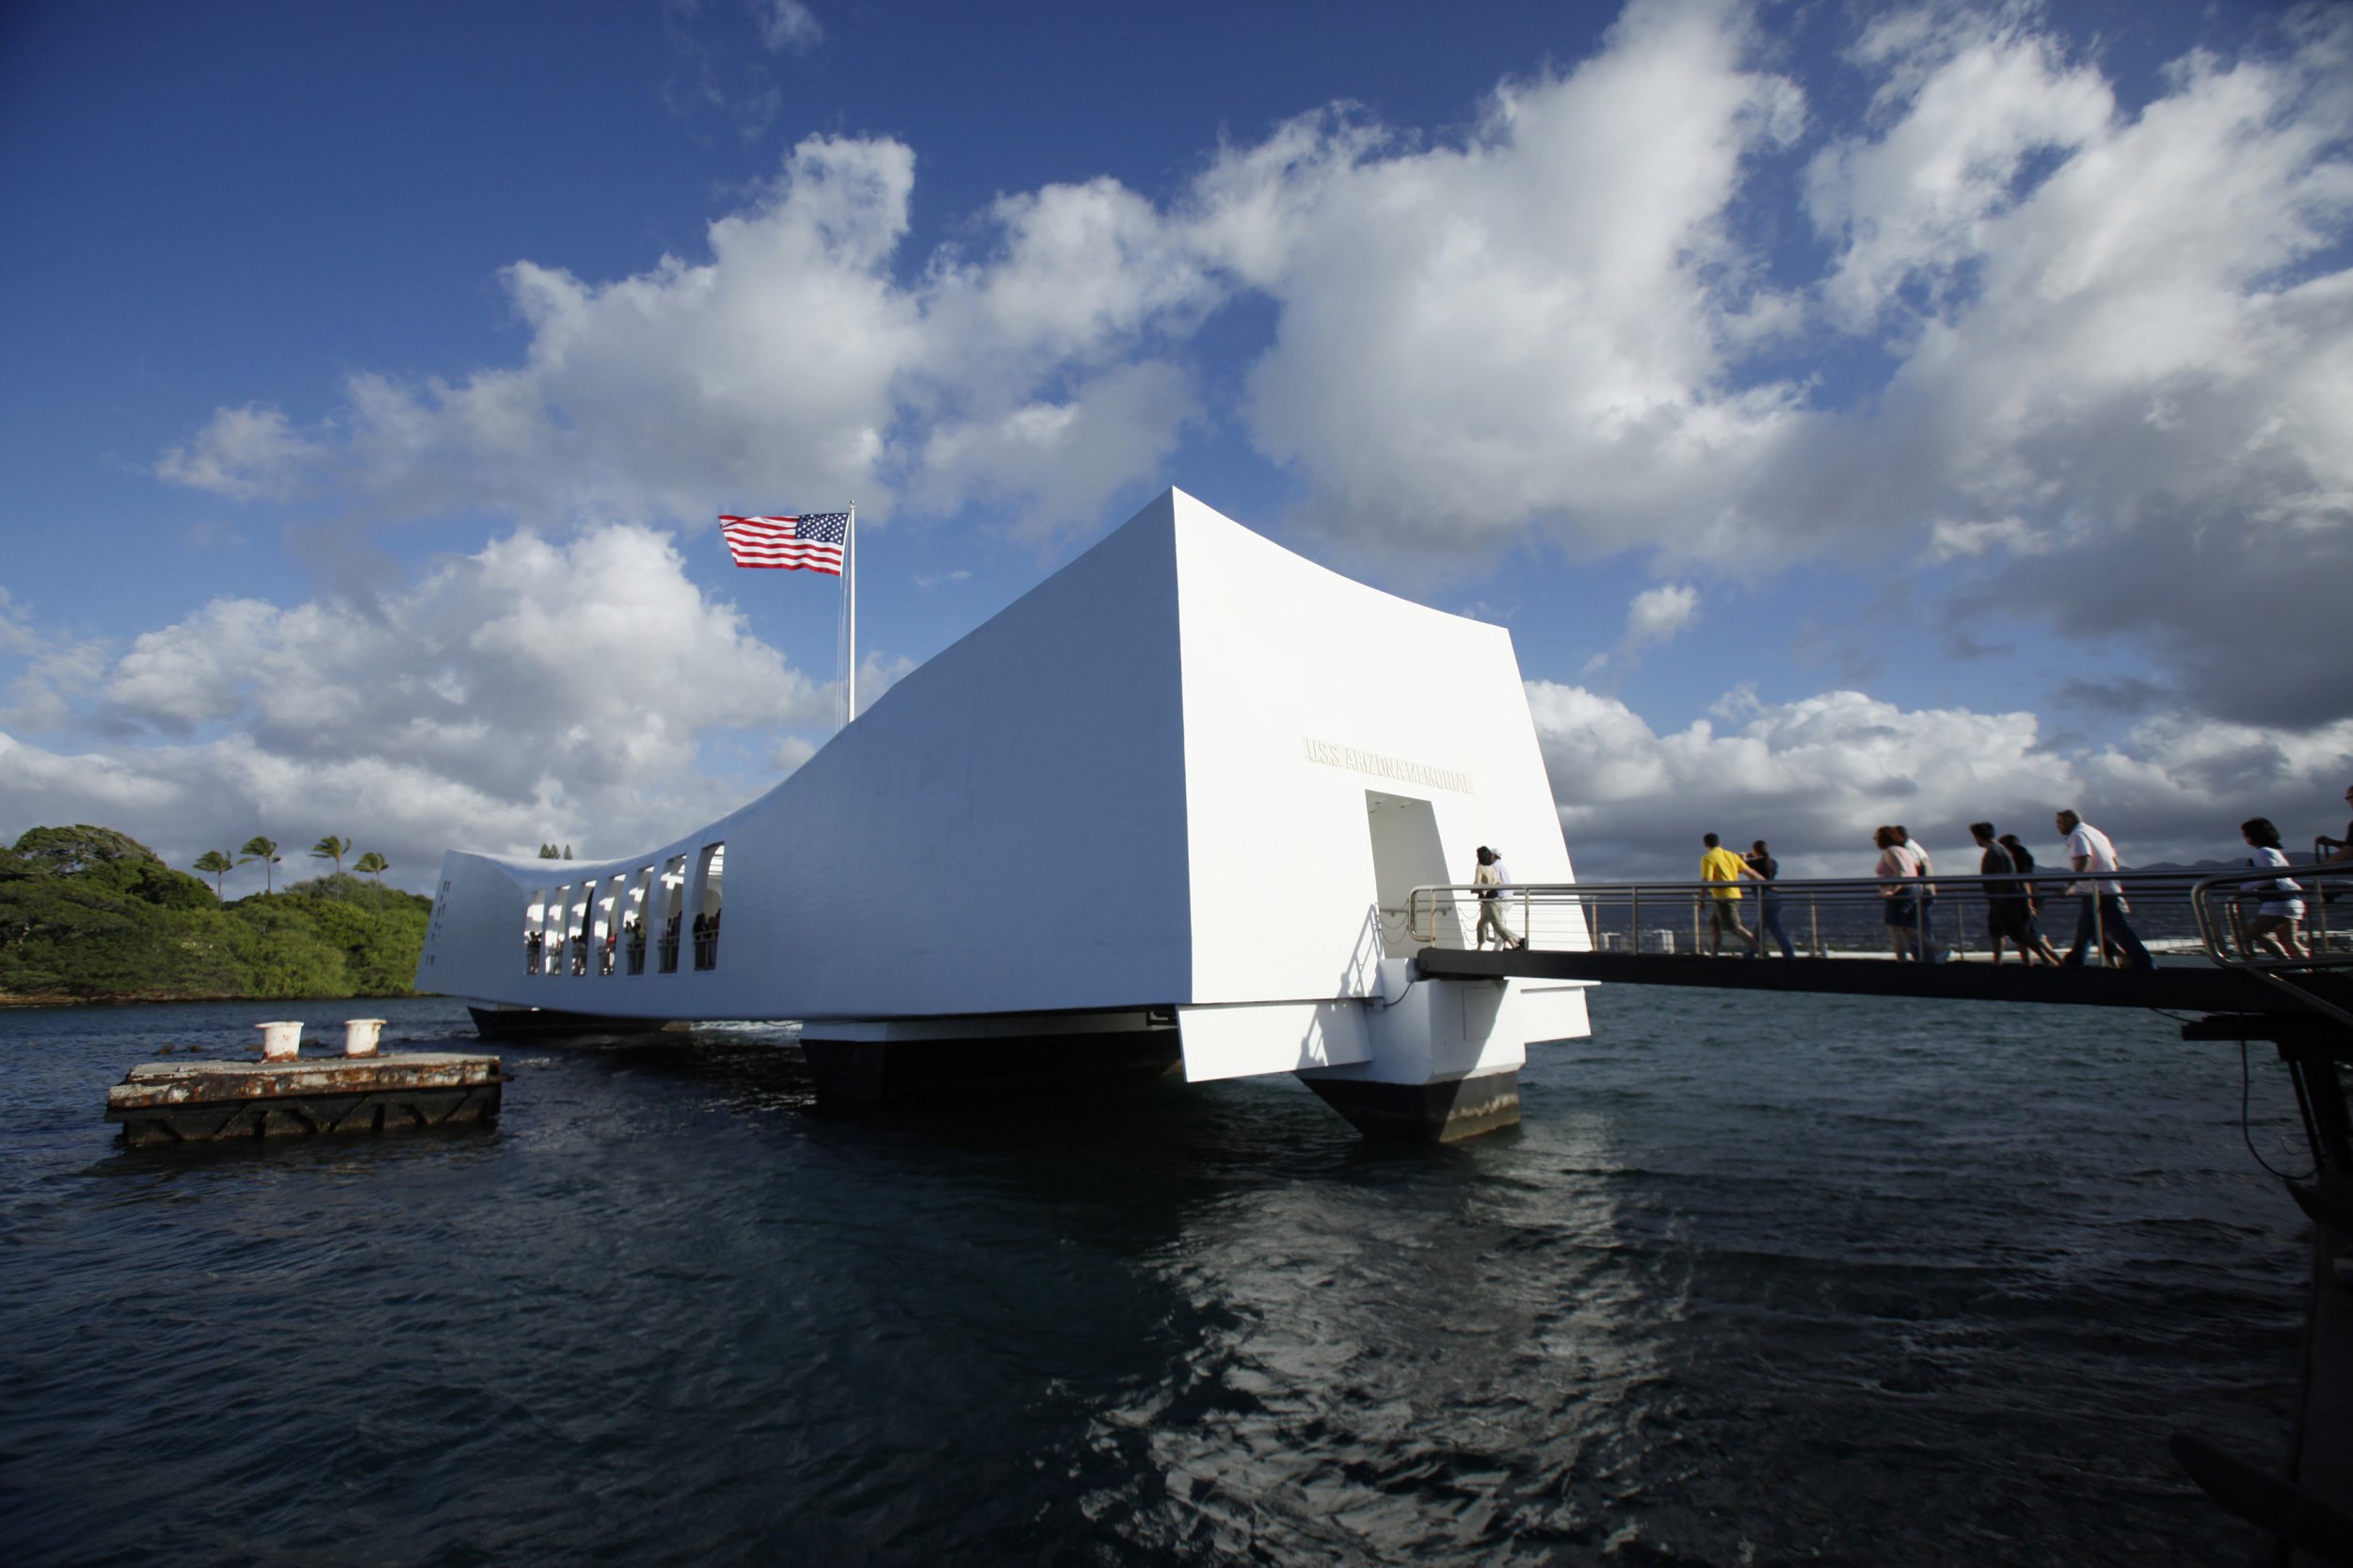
(1488, 878)
(2102, 908)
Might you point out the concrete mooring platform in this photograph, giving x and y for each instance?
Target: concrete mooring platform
(192, 1102)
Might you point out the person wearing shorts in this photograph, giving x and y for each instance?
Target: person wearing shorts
(2023, 857)
(1899, 864)
(2281, 905)
(1719, 864)
(2009, 912)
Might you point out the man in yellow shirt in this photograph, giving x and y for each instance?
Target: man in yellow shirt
(1723, 903)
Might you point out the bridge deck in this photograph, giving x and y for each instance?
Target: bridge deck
(2189, 989)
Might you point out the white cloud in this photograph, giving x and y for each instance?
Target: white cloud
(788, 26)
(1816, 776)
(2118, 394)
(242, 454)
(1657, 613)
(45, 697)
(2141, 413)
(1950, 540)
(1062, 462)
(1972, 97)
(782, 366)
(530, 691)
(50, 787)
(1536, 326)
(60, 669)
(1654, 615)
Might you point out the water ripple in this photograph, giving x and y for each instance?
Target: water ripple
(1812, 1281)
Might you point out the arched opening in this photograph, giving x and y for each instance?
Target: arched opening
(579, 926)
(633, 921)
(708, 905)
(605, 926)
(670, 897)
(559, 945)
(536, 932)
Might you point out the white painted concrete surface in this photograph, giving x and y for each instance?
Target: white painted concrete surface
(1186, 771)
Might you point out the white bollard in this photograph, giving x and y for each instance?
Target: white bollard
(359, 1036)
(280, 1041)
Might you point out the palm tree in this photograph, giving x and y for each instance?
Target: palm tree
(373, 865)
(331, 848)
(265, 851)
(213, 863)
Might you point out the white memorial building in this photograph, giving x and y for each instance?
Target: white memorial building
(1166, 807)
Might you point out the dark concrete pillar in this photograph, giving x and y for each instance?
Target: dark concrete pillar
(914, 1072)
(548, 1023)
(1439, 1112)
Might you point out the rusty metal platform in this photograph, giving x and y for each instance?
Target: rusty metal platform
(188, 1102)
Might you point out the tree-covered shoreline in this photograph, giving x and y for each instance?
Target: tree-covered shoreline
(90, 914)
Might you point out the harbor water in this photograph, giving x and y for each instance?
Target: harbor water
(1760, 1280)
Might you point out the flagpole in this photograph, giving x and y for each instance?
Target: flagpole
(849, 587)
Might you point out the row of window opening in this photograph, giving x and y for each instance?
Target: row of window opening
(600, 926)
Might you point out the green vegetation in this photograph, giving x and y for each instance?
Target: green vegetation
(264, 850)
(92, 914)
(213, 863)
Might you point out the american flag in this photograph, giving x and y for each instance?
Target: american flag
(812, 543)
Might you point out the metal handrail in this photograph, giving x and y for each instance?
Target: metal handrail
(2174, 906)
(2216, 900)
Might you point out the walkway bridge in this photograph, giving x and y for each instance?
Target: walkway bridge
(1655, 933)
(2199, 926)
(1658, 934)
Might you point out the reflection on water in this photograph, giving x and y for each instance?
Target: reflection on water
(1759, 1281)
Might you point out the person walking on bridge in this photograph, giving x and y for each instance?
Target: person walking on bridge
(1899, 864)
(2280, 904)
(1490, 878)
(1767, 870)
(1723, 903)
(1925, 895)
(2009, 910)
(2101, 916)
(2023, 857)
(2332, 851)
(2338, 849)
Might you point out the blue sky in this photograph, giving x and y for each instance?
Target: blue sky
(1856, 414)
